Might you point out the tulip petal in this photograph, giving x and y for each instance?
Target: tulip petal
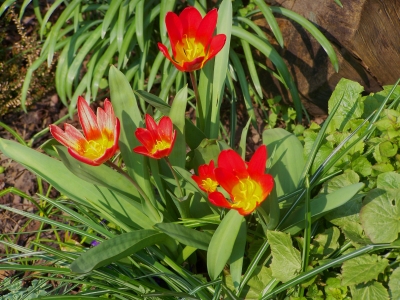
(232, 162)
(194, 64)
(106, 118)
(206, 28)
(70, 137)
(256, 165)
(218, 199)
(226, 179)
(174, 29)
(266, 182)
(151, 125)
(146, 138)
(142, 150)
(88, 120)
(81, 158)
(217, 43)
(165, 129)
(190, 19)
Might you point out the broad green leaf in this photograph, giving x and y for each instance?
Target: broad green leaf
(351, 106)
(115, 249)
(100, 175)
(121, 208)
(126, 109)
(380, 215)
(362, 269)
(237, 256)
(177, 115)
(221, 245)
(394, 284)
(187, 236)
(207, 150)
(369, 291)
(287, 165)
(286, 260)
(319, 206)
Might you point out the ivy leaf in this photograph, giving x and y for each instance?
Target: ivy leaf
(394, 284)
(326, 243)
(369, 291)
(362, 166)
(362, 269)
(334, 289)
(380, 215)
(349, 177)
(351, 106)
(261, 277)
(388, 181)
(283, 254)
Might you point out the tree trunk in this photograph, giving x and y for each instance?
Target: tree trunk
(366, 38)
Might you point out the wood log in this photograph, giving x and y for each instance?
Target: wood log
(366, 38)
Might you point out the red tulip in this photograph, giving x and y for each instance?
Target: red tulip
(192, 40)
(157, 140)
(101, 134)
(246, 183)
(206, 179)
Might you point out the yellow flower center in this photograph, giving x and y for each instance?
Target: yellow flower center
(188, 50)
(94, 149)
(246, 194)
(160, 145)
(209, 185)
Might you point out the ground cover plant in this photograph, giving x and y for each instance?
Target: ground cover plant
(153, 205)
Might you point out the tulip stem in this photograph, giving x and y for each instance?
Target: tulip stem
(174, 173)
(198, 101)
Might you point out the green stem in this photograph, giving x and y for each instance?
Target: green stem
(174, 174)
(198, 102)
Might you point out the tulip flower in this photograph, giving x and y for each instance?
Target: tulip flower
(101, 134)
(246, 183)
(206, 179)
(192, 40)
(157, 140)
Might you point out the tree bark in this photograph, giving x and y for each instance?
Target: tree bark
(366, 38)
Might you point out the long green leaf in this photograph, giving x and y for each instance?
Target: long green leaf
(277, 60)
(116, 248)
(220, 66)
(186, 236)
(139, 16)
(110, 15)
(52, 38)
(6, 4)
(271, 20)
(221, 245)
